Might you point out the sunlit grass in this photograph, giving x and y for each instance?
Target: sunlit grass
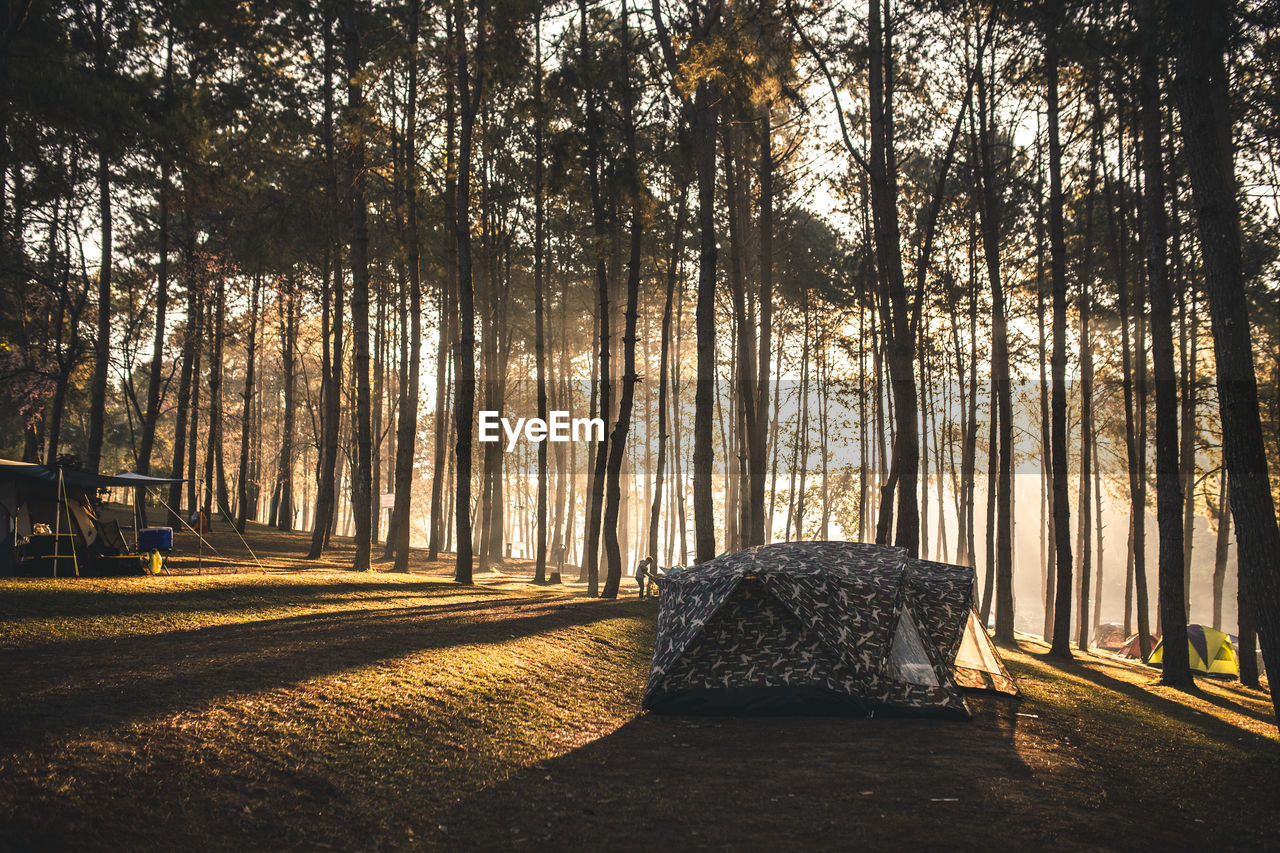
(41, 611)
(302, 709)
(296, 749)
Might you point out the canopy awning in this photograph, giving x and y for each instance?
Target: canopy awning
(46, 474)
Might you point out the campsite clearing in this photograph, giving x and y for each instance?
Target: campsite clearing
(305, 709)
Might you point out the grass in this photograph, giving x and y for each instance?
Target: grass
(301, 710)
(289, 711)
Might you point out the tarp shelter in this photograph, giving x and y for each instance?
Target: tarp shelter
(820, 627)
(61, 499)
(1210, 650)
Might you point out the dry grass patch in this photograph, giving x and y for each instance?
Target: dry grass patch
(291, 711)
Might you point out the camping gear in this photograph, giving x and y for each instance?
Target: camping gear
(156, 543)
(155, 539)
(820, 627)
(61, 499)
(1210, 650)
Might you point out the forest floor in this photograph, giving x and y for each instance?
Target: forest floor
(304, 707)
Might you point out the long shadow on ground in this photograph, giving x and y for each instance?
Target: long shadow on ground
(791, 783)
(46, 601)
(1212, 726)
(1107, 766)
(57, 689)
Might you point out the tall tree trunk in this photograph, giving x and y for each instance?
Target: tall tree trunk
(216, 483)
(1087, 439)
(186, 382)
(211, 438)
(1177, 669)
(745, 376)
(565, 458)
(993, 444)
(246, 419)
(331, 315)
(464, 359)
(448, 290)
(362, 489)
(673, 269)
(1187, 430)
(1097, 521)
(284, 470)
(618, 441)
(969, 456)
(704, 149)
(991, 216)
(1248, 633)
(147, 441)
(760, 530)
(901, 343)
(1202, 94)
(802, 436)
(331, 418)
(1050, 559)
(677, 469)
(1083, 529)
(193, 443)
(180, 423)
(1061, 646)
(600, 459)
(102, 342)
(701, 116)
(1223, 520)
(1135, 433)
(539, 307)
(407, 425)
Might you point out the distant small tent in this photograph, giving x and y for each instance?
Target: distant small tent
(1211, 652)
(1109, 637)
(820, 627)
(1133, 649)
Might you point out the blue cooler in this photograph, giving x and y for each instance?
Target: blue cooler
(155, 539)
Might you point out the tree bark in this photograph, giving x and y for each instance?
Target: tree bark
(1220, 550)
(539, 306)
(673, 268)
(147, 440)
(600, 459)
(618, 441)
(362, 488)
(284, 470)
(186, 382)
(991, 217)
(246, 419)
(464, 358)
(102, 343)
(704, 147)
(1202, 95)
(1176, 666)
(1061, 646)
(901, 343)
(331, 380)
(407, 425)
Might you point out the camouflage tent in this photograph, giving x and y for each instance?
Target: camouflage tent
(820, 627)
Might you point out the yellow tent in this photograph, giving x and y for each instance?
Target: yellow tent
(1211, 652)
